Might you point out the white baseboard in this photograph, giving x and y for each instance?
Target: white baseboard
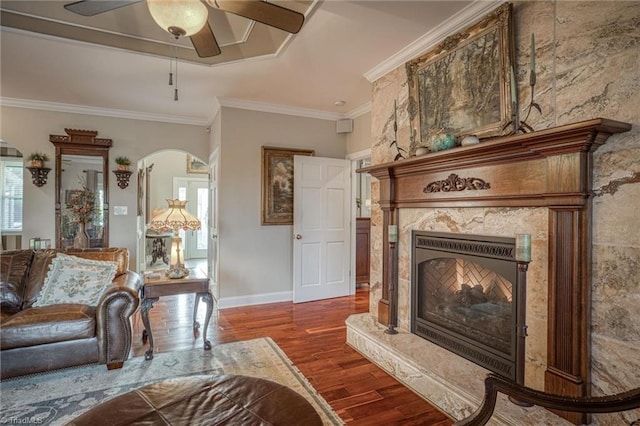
(256, 299)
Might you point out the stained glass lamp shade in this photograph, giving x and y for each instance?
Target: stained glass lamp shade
(175, 218)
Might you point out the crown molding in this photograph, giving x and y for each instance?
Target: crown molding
(460, 20)
(217, 104)
(359, 155)
(361, 110)
(278, 109)
(103, 112)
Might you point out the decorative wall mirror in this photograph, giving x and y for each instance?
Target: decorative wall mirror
(82, 189)
(461, 86)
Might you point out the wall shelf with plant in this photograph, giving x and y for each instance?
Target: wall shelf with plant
(122, 162)
(122, 172)
(37, 159)
(39, 173)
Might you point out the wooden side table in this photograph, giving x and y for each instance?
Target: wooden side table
(155, 287)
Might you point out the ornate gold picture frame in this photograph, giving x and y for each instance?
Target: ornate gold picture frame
(462, 86)
(277, 184)
(196, 166)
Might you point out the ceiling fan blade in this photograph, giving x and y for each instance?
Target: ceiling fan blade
(205, 42)
(95, 7)
(261, 11)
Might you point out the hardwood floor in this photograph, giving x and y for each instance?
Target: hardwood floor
(313, 336)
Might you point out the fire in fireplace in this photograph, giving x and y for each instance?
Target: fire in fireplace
(465, 298)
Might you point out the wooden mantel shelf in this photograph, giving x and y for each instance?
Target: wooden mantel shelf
(549, 168)
(543, 168)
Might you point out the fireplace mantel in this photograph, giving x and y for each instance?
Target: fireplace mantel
(549, 168)
(543, 168)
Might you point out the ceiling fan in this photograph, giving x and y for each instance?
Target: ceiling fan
(189, 18)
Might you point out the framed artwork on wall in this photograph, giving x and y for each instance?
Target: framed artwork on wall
(196, 166)
(277, 184)
(462, 86)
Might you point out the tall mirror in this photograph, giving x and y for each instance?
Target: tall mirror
(82, 189)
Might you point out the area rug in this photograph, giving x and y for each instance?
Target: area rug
(58, 397)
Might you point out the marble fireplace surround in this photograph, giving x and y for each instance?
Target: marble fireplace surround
(549, 169)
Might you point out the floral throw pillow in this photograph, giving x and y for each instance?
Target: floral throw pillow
(73, 279)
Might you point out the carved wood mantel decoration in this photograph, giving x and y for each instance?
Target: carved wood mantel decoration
(549, 168)
(456, 183)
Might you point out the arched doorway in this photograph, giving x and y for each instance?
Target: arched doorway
(172, 174)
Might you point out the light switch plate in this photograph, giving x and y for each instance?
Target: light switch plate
(120, 210)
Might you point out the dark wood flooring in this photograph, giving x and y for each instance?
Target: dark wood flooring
(313, 336)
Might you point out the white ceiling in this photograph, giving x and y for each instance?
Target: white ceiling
(342, 47)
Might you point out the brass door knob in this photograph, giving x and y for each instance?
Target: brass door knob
(298, 237)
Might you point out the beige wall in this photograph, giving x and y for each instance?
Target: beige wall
(256, 260)
(215, 133)
(360, 139)
(167, 164)
(29, 130)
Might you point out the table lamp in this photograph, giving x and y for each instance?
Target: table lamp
(175, 218)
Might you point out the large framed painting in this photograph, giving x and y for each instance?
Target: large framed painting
(277, 184)
(462, 86)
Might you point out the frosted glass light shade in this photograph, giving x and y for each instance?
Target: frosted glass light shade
(179, 17)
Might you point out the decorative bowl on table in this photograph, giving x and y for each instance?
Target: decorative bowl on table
(176, 273)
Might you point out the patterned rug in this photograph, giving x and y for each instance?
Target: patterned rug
(56, 398)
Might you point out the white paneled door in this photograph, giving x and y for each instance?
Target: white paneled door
(196, 192)
(321, 228)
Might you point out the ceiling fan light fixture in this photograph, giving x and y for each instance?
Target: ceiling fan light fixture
(179, 17)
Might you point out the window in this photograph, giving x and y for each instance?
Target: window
(11, 196)
(363, 190)
(202, 201)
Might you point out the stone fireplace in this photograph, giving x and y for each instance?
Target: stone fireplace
(537, 183)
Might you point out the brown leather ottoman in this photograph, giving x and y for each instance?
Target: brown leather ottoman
(205, 400)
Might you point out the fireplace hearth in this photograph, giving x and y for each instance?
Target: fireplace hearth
(465, 297)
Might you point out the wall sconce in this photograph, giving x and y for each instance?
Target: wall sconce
(39, 175)
(123, 177)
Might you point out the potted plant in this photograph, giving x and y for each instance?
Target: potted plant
(37, 159)
(123, 163)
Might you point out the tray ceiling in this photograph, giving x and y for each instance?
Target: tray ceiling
(117, 64)
(132, 28)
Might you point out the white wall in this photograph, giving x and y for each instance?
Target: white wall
(28, 130)
(256, 259)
